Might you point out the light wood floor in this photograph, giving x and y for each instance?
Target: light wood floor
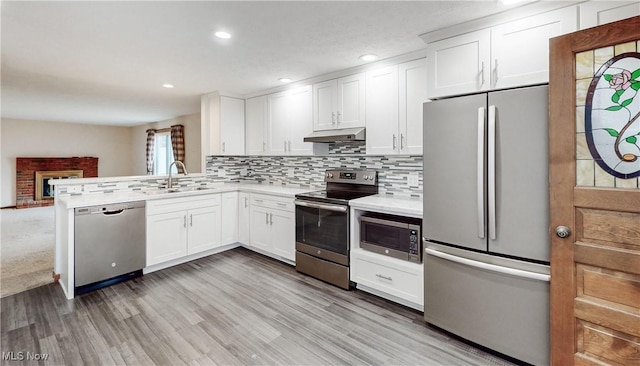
(234, 308)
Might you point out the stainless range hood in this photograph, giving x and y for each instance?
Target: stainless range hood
(344, 134)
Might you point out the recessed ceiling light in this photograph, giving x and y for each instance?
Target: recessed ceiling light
(223, 35)
(285, 80)
(369, 57)
(168, 86)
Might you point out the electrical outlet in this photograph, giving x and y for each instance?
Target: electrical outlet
(290, 172)
(412, 180)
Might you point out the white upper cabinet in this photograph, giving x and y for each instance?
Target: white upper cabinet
(222, 125)
(520, 49)
(382, 111)
(339, 103)
(412, 94)
(256, 124)
(507, 55)
(595, 13)
(290, 119)
(394, 99)
(459, 65)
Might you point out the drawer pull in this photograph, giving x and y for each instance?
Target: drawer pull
(384, 277)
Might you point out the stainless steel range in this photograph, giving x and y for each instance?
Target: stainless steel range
(322, 224)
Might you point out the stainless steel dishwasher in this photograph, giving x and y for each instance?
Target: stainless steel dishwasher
(109, 244)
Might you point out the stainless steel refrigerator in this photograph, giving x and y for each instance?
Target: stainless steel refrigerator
(485, 220)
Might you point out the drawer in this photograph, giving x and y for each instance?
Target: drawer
(384, 275)
(277, 202)
(165, 205)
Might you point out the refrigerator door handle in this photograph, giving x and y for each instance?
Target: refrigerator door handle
(480, 173)
(489, 267)
(491, 172)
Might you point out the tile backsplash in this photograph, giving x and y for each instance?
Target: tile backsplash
(398, 175)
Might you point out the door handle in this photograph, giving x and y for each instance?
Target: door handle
(184, 221)
(266, 218)
(191, 220)
(271, 219)
(333, 118)
(402, 141)
(480, 174)
(394, 141)
(338, 119)
(289, 145)
(223, 147)
(482, 74)
(563, 232)
(245, 201)
(491, 171)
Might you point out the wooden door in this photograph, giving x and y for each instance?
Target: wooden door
(595, 271)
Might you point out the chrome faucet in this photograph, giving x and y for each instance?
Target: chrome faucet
(170, 179)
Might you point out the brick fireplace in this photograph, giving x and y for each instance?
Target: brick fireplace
(26, 169)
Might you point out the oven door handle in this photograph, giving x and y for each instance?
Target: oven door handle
(335, 208)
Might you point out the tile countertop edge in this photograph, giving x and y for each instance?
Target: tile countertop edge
(93, 199)
(390, 205)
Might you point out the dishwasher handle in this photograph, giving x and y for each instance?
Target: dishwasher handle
(114, 212)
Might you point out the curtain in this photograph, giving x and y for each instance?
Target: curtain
(177, 143)
(151, 139)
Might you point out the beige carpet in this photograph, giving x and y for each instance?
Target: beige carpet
(26, 248)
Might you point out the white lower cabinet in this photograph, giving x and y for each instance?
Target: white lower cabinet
(273, 225)
(386, 276)
(229, 219)
(177, 227)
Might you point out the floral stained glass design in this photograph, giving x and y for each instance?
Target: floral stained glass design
(612, 116)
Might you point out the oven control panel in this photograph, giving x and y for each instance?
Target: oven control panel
(352, 176)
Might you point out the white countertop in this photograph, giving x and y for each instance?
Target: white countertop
(93, 199)
(403, 206)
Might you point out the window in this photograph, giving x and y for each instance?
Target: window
(163, 154)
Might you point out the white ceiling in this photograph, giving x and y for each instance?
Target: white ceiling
(104, 62)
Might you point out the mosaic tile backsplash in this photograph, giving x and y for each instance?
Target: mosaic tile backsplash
(398, 175)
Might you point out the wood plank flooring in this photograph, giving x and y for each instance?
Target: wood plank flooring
(233, 308)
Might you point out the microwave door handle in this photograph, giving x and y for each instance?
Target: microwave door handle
(374, 220)
(321, 206)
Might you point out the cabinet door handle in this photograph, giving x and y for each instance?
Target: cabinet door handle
(289, 145)
(482, 74)
(223, 147)
(333, 118)
(402, 141)
(191, 220)
(264, 146)
(184, 221)
(266, 218)
(495, 73)
(271, 219)
(338, 119)
(285, 145)
(245, 202)
(384, 277)
(394, 141)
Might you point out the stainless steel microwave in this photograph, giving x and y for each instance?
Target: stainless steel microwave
(395, 236)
